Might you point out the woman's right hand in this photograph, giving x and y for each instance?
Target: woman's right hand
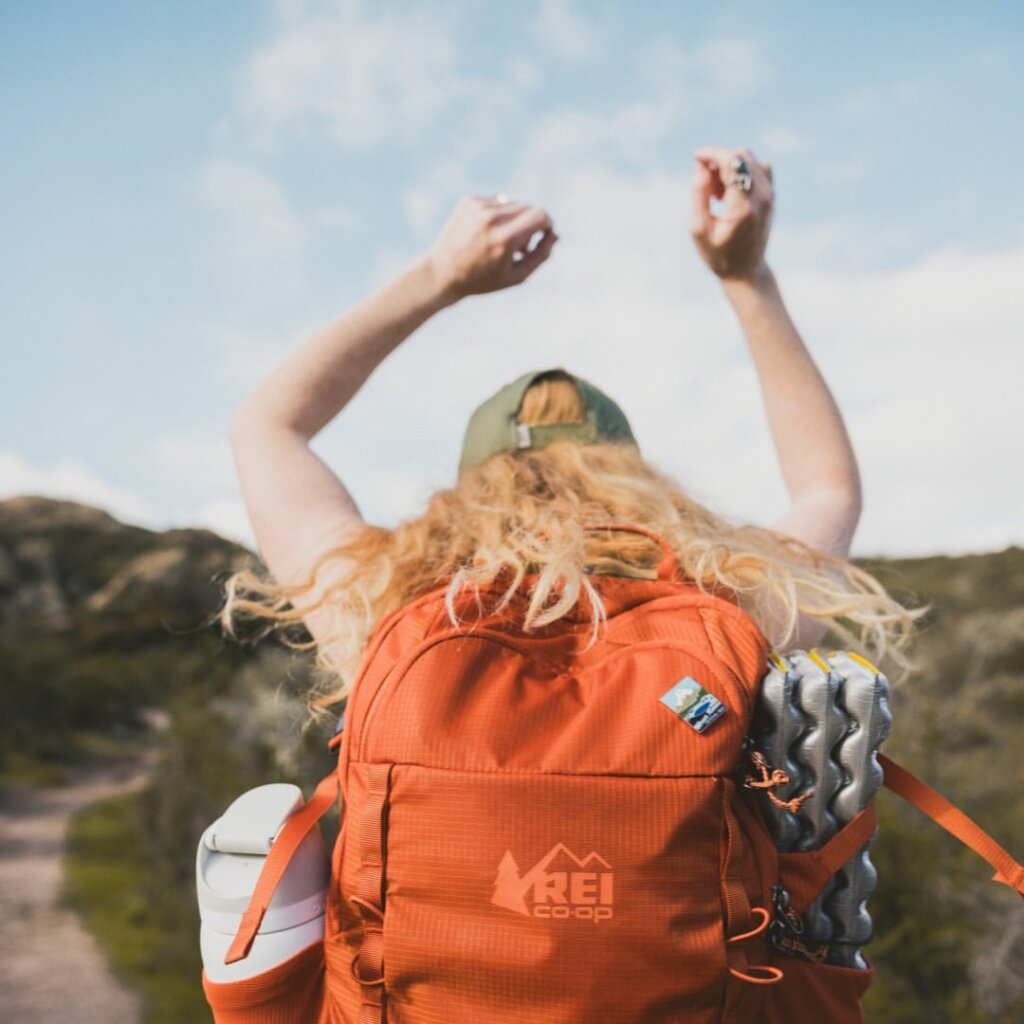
(482, 247)
(733, 242)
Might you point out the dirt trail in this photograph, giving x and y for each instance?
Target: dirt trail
(51, 968)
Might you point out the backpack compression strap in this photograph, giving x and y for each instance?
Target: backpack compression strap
(294, 830)
(954, 821)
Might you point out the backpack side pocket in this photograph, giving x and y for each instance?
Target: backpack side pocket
(810, 993)
(290, 993)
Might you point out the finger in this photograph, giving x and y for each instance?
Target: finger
(523, 268)
(737, 203)
(520, 229)
(501, 213)
(724, 157)
(761, 172)
(721, 155)
(494, 212)
(717, 185)
(701, 190)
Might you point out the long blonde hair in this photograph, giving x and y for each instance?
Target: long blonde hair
(523, 512)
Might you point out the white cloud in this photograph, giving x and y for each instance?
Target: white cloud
(427, 203)
(564, 137)
(840, 243)
(352, 71)
(843, 170)
(869, 101)
(263, 235)
(245, 355)
(289, 9)
(523, 73)
(679, 81)
(362, 77)
(922, 358)
(342, 218)
(421, 205)
(72, 480)
(226, 517)
(778, 140)
(567, 33)
(190, 456)
(919, 360)
(716, 72)
(917, 357)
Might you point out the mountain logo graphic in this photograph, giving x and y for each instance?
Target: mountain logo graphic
(559, 885)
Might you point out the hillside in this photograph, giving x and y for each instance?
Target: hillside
(100, 621)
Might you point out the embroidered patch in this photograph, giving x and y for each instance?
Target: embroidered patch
(693, 704)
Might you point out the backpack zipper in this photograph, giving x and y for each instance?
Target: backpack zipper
(396, 674)
(399, 670)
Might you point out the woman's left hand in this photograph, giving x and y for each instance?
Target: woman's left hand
(732, 242)
(482, 247)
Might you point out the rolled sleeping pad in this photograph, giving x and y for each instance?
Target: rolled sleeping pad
(865, 697)
(822, 719)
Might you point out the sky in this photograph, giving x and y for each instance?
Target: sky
(189, 190)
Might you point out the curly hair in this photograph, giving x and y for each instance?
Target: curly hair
(522, 513)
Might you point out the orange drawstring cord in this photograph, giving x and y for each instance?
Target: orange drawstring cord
(771, 975)
(770, 779)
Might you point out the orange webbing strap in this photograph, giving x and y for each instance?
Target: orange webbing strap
(294, 830)
(738, 916)
(368, 964)
(804, 874)
(954, 821)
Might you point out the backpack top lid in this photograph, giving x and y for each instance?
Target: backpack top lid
(446, 692)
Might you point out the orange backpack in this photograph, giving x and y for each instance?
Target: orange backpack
(528, 835)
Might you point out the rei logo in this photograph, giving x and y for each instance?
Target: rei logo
(559, 885)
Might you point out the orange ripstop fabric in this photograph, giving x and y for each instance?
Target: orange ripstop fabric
(291, 993)
(531, 835)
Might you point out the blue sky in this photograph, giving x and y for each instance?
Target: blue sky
(188, 190)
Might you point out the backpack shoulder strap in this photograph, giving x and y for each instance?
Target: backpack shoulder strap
(294, 830)
(954, 821)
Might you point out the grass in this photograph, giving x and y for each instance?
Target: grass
(151, 939)
(83, 747)
(20, 769)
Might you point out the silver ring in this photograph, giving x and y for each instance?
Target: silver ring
(741, 177)
(501, 199)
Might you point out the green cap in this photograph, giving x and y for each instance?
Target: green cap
(493, 428)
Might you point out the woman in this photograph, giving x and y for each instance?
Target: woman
(518, 511)
(543, 456)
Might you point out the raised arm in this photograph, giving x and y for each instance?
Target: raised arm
(297, 505)
(814, 450)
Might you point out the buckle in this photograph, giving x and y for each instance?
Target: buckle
(787, 928)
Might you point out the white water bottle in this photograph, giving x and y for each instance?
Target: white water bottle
(229, 860)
